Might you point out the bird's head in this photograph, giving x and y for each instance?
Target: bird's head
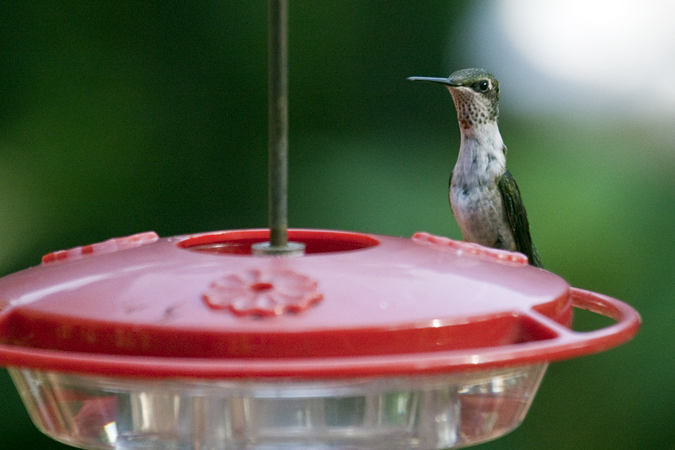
(475, 93)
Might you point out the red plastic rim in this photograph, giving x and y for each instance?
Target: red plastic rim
(564, 344)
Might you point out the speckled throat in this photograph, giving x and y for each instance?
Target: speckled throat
(473, 109)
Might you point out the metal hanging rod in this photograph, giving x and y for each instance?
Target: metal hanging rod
(278, 136)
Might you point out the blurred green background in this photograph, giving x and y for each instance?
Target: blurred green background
(127, 116)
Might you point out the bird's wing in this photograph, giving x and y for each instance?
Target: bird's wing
(515, 212)
(450, 187)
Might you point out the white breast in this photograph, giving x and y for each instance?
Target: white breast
(474, 197)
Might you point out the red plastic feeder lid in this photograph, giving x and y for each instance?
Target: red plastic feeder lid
(353, 305)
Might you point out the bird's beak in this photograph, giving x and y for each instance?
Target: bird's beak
(445, 81)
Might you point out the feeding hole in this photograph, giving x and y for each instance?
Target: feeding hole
(261, 287)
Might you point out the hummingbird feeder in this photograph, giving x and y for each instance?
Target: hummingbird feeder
(288, 339)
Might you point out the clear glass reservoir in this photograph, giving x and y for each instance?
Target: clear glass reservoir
(425, 412)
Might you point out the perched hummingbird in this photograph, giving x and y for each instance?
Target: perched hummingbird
(484, 197)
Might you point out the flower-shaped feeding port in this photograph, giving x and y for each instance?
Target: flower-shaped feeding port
(263, 293)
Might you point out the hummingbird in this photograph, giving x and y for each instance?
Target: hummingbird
(484, 196)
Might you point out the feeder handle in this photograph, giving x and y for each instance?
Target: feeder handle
(570, 343)
(603, 305)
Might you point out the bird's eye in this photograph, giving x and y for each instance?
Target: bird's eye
(483, 86)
